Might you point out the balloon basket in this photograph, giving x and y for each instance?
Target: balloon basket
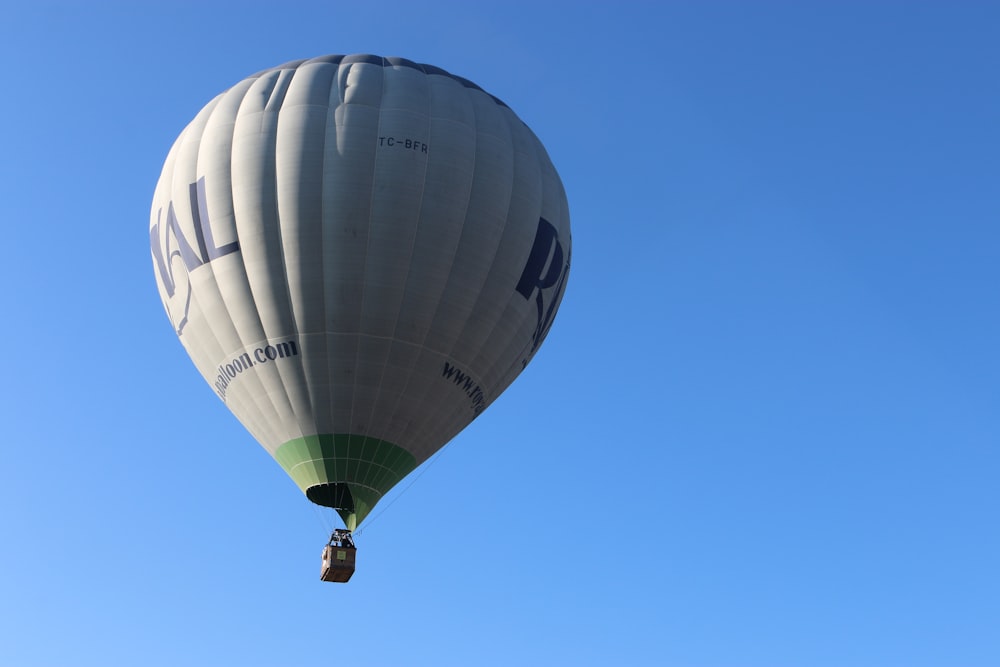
(338, 558)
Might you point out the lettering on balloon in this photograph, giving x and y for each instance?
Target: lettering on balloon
(544, 277)
(232, 369)
(168, 242)
(465, 382)
(404, 144)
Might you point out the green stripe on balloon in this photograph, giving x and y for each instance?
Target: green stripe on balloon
(348, 472)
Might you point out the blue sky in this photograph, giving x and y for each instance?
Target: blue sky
(763, 430)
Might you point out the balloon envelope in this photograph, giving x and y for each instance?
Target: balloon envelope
(359, 254)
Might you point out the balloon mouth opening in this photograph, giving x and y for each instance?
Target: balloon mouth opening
(336, 495)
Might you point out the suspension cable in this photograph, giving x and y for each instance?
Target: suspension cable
(424, 468)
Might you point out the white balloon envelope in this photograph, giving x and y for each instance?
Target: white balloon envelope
(359, 254)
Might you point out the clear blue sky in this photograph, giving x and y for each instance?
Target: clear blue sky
(763, 431)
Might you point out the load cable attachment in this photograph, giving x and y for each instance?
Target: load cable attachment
(338, 557)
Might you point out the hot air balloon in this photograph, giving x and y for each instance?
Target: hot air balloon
(359, 254)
